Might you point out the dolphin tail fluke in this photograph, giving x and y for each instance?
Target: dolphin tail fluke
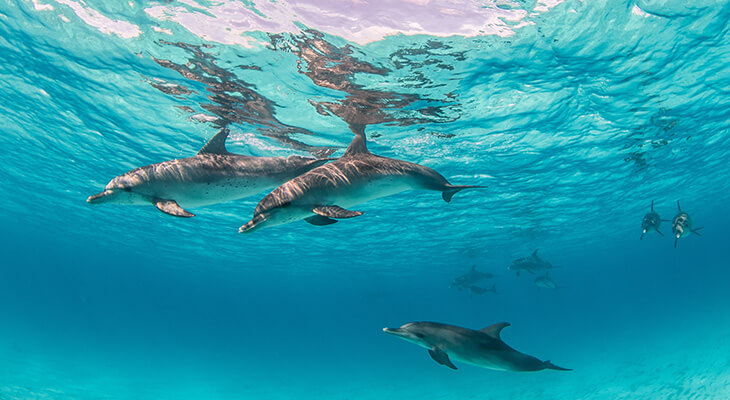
(695, 231)
(451, 190)
(549, 365)
(659, 232)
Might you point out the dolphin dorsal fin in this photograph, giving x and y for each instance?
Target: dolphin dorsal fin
(216, 144)
(357, 146)
(494, 330)
(534, 253)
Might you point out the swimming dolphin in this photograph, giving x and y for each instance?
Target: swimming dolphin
(322, 195)
(472, 277)
(483, 348)
(480, 290)
(651, 222)
(531, 264)
(545, 281)
(212, 176)
(682, 225)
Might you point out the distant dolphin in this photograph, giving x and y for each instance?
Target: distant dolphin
(545, 281)
(212, 176)
(483, 348)
(480, 290)
(682, 225)
(531, 264)
(358, 176)
(472, 277)
(651, 222)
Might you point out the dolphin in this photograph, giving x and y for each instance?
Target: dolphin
(651, 222)
(472, 277)
(322, 195)
(212, 176)
(531, 264)
(483, 348)
(480, 290)
(682, 225)
(545, 281)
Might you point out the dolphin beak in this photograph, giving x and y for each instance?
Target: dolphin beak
(249, 227)
(394, 332)
(97, 197)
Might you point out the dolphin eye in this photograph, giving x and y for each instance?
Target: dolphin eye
(126, 189)
(419, 335)
(287, 204)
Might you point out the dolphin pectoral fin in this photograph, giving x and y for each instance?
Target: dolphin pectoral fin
(320, 220)
(441, 357)
(170, 207)
(695, 231)
(335, 212)
(496, 329)
(451, 190)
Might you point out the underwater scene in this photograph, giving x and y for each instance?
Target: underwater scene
(365, 199)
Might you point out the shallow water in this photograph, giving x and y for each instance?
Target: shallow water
(576, 115)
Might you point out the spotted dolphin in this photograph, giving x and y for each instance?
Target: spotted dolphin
(477, 290)
(212, 176)
(545, 281)
(483, 348)
(682, 225)
(531, 264)
(322, 195)
(470, 278)
(651, 222)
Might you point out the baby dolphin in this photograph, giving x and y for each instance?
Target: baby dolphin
(322, 195)
(212, 176)
(483, 348)
(651, 222)
(470, 278)
(531, 264)
(682, 225)
(545, 281)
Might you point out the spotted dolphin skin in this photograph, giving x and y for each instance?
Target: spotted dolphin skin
(322, 195)
(651, 222)
(682, 225)
(212, 176)
(483, 348)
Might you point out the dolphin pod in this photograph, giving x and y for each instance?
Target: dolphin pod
(323, 195)
(483, 348)
(212, 176)
(681, 224)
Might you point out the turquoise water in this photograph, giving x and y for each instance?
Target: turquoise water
(576, 115)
